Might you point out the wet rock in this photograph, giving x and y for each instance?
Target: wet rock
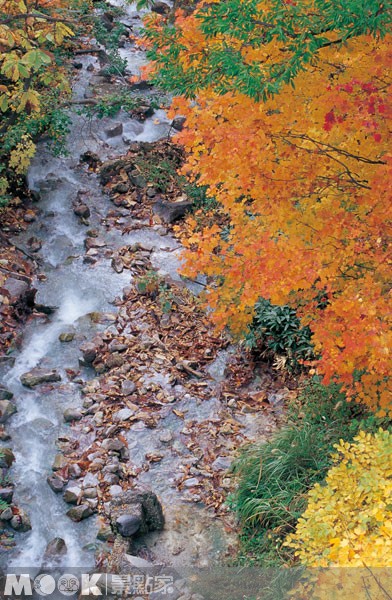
(111, 168)
(29, 216)
(6, 514)
(72, 414)
(137, 180)
(171, 211)
(78, 513)
(123, 414)
(178, 123)
(6, 494)
(114, 131)
(128, 387)
(59, 462)
(161, 8)
(56, 548)
(82, 210)
(5, 394)
(21, 521)
(77, 65)
(7, 409)
(141, 504)
(56, 483)
(72, 494)
(6, 458)
(128, 525)
(90, 243)
(67, 336)
(37, 376)
(117, 264)
(4, 436)
(89, 352)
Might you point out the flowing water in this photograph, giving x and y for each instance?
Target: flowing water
(77, 288)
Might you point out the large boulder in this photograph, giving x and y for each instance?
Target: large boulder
(171, 211)
(54, 550)
(78, 513)
(37, 376)
(20, 521)
(136, 511)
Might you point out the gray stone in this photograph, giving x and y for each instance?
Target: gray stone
(72, 414)
(72, 494)
(89, 352)
(7, 409)
(82, 210)
(16, 288)
(128, 525)
(90, 493)
(171, 211)
(90, 480)
(74, 471)
(21, 521)
(137, 562)
(115, 490)
(56, 483)
(6, 457)
(222, 463)
(117, 346)
(6, 494)
(178, 123)
(166, 436)
(56, 548)
(37, 376)
(78, 513)
(142, 504)
(123, 415)
(113, 444)
(6, 514)
(114, 131)
(128, 387)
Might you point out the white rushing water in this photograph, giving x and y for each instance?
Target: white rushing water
(76, 289)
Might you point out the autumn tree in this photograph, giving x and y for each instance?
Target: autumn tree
(288, 114)
(31, 79)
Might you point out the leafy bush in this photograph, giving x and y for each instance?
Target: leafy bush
(348, 520)
(275, 477)
(278, 329)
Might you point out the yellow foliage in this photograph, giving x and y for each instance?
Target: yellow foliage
(21, 155)
(348, 521)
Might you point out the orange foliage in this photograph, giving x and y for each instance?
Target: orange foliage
(305, 180)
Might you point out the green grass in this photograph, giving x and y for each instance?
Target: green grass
(274, 477)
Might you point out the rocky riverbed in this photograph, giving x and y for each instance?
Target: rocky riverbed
(130, 409)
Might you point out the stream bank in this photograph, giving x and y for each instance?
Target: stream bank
(134, 389)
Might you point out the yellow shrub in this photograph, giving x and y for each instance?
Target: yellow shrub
(348, 521)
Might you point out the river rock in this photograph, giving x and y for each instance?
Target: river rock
(161, 8)
(78, 513)
(141, 504)
(89, 352)
(90, 493)
(128, 387)
(37, 376)
(6, 514)
(56, 483)
(165, 437)
(171, 211)
(128, 525)
(56, 548)
(117, 346)
(67, 336)
(59, 462)
(5, 394)
(74, 471)
(82, 210)
(21, 521)
(7, 409)
(178, 123)
(113, 444)
(72, 494)
(72, 414)
(6, 458)
(6, 493)
(114, 131)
